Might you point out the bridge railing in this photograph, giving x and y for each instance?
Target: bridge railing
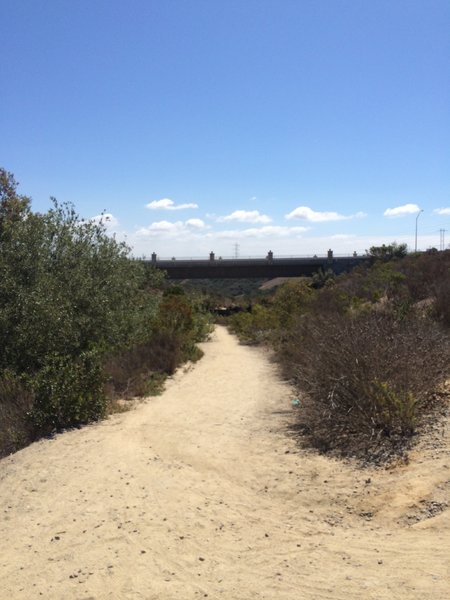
(242, 258)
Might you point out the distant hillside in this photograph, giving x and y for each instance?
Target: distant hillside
(227, 288)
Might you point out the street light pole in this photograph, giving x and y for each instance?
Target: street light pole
(417, 218)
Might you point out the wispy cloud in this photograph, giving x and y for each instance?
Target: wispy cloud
(195, 223)
(197, 229)
(442, 211)
(268, 231)
(245, 216)
(168, 204)
(401, 211)
(168, 229)
(306, 213)
(342, 237)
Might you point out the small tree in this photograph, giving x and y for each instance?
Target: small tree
(388, 252)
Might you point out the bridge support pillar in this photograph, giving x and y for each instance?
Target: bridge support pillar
(330, 256)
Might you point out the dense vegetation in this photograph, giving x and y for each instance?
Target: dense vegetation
(226, 292)
(368, 351)
(80, 321)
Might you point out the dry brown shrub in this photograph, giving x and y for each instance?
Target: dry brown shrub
(366, 380)
(133, 371)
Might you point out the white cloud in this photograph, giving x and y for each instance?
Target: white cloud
(196, 223)
(260, 232)
(343, 237)
(108, 220)
(442, 211)
(400, 211)
(169, 229)
(196, 229)
(245, 216)
(168, 204)
(308, 214)
(161, 228)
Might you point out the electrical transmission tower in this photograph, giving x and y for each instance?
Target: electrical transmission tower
(236, 250)
(442, 239)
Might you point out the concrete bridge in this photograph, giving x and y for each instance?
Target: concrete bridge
(248, 268)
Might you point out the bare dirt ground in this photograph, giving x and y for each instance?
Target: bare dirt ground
(202, 492)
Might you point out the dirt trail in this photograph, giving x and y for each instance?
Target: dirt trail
(202, 493)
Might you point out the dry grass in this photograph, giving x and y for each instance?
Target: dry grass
(366, 381)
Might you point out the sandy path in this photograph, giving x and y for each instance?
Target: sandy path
(201, 493)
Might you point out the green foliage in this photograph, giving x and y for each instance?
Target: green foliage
(290, 301)
(388, 252)
(16, 401)
(67, 287)
(393, 407)
(224, 290)
(266, 319)
(78, 318)
(254, 326)
(68, 392)
(322, 278)
(69, 296)
(180, 323)
(13, 208)
(175, 313)
(183, 316)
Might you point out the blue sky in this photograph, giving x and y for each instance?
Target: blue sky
(290, 125)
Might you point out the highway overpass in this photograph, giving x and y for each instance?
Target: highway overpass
(248, 268)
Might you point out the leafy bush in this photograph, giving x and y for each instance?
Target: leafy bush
(69, 296)
(254, 326)
(291, 300)
(66, 288)
(67, 392)
(183, 316)
(79, 318)
(16, 401)
(388, 252)
(267, 320)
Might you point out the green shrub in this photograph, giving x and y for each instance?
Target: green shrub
(388, 252)
(183, 316)
(290, 301)
(255, 326)
(69, 296)
(16, 401)
(68, 392)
